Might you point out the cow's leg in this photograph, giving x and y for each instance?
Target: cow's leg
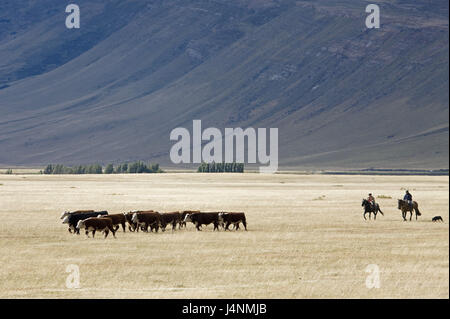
(93, 233)
(227, 225)
(197, 225)
(114, 232)
(244, 222)
(236, 226)
(106, 232)
(87, 233)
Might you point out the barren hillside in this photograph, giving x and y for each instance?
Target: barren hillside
(341, 95)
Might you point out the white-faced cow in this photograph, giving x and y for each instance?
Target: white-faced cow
(183, 216)
(94, 224)
(73, 219)
(132, 226)
(145, 219)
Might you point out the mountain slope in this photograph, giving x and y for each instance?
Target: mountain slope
(342, 96)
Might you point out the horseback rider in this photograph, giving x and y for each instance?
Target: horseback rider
(371, 200)
(408, 198)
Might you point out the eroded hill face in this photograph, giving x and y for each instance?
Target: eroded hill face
(341, 95)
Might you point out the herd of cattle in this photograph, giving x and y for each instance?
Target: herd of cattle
(92, 221)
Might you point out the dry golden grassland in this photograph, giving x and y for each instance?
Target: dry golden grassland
(306, 237)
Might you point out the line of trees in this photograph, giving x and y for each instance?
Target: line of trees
(131, 168)
(221, 168)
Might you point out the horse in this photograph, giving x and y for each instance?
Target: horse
(405, 208)
(369, 208)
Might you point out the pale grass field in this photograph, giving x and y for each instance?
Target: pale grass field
(306, 238)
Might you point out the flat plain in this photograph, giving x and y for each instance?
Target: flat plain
(306, 237)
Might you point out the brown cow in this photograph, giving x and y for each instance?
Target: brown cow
(94, 223)
(183, 216)
(117, 219)
(145, 219)
(173, 218)
(199, 219)
(232, 218)
(128, 216)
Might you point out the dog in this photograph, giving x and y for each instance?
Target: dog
(437, 218)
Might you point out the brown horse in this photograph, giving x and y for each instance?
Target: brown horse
(405, 208)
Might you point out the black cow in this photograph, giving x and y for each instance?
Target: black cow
(169, 219)
(66, 213)
(199, 219)
(73, 220)
(232, 218)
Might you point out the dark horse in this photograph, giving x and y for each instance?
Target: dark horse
(405, 208)
(369, 208)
